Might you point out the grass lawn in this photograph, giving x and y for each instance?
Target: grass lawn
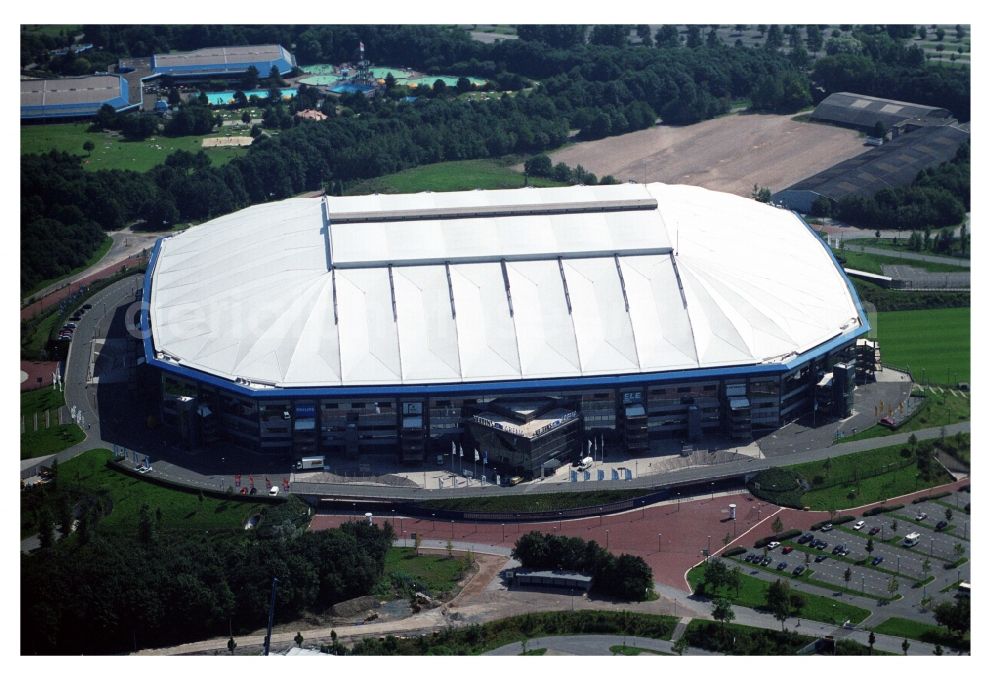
(53, 439)
(873, 263)
(180, 510)
(863, 478)
(35, 339)
(446, 176)
(629, 650)
(436, 574)
(938, 409)
(918, 631)
(532, 503)
(98, 255)
(753, 594)
(901, 246)
(110, 151)
(934, 344)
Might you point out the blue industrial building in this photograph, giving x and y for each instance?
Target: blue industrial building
(224, 61)
(73, 97)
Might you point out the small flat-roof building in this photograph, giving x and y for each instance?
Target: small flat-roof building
(560, 579)
(73, 97)
(224, 61)
(892, 165)
(859, 111)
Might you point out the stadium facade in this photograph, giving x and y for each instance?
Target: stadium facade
(73, 97)
(227, 62)
(526, 324)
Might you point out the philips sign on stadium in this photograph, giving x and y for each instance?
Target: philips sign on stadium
(526, 322)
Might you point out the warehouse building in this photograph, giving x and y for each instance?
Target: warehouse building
(224, 62)
(73, 97)
(892, 165)
(862, 112)
(520, 323)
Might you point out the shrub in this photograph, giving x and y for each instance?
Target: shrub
(735, 551)
(778, 485)
(783, 535)
(881, 510)
(932, 496)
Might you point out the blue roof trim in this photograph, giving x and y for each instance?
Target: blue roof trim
(263, 68)
(83, 108)
(500, 387)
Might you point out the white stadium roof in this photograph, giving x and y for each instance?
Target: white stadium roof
(481, 286)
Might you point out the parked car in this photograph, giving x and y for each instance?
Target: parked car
(758, 558)
(145, 470)
(826, 528)
(877, 560)
(804, 538)
(921, 516)
(844, 551)
(799, 569)
(859, 525)
(782, 565)
(941, 525)
(69, 325)
(87, 306)
(838, 549)
(767, 561)
(821, 557)
(822, 544)
(773, 545)
(786, 550)
(748, 558)
(874, 530)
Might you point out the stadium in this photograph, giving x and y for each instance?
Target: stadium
(525, 323)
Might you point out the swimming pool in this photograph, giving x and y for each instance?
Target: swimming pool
(225, 98)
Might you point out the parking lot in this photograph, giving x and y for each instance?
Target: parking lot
(827, 564)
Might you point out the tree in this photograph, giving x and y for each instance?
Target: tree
(240, 99)
(173, 97)
(894, 526)
(390, 81)
(298, 639)
(716, 575)
(246, 117)
(938, 650)
(231, 645)
(847, 577)
(777, 526)
(761, 194)
(870, 546)
(814, 38)
(893, 586)
(940, 34)
(539, 165)
(88, 147)
(439, 88)
(905, 646)
(417, 540)
(45, 539)
(959, 550)
(250, 79)
(450, 547)
(779, 601)
(926, 565)
(667, 37)
(879, 131)
(146, 530)
(871, 642)
(948, 514)
(463, 85)
(722, 611)
(775, 38)
(693, 37)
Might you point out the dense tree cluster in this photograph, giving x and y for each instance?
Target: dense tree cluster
(937, 197)
(115, 593)
(624, 576)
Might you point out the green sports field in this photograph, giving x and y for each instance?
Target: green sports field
(110, 151)
(446, 176)
(931, 343)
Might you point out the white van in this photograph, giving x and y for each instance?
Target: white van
(586, 463)
(911, 539)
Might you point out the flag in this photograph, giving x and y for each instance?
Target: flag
(453, 448)
(461, 453)
(484, 457)
(377, 408)
(476, 451)
(362, 46)
(588, 446)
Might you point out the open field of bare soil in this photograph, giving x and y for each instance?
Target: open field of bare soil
(729, 154)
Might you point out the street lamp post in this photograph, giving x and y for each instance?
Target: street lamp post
(452, 529)
(503, 534)
(659, 542)
(897, 564)
(606, 538)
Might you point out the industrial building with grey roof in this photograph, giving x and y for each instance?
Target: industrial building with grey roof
(863, 112)
(892, 165)
(73, 96)
(224, 61)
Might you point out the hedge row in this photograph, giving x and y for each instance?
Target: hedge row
(836, 521)
(966, 488)
(735, 551)
(881, 510)
(932, 496)
(783, 535)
